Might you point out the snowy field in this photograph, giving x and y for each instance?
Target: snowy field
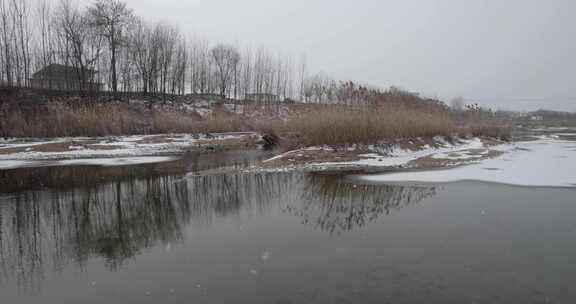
(546, 161)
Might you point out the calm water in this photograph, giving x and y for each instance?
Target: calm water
(153, 234)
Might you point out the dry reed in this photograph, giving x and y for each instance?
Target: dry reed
(332, 126)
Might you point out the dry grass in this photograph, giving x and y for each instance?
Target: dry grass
(495, 130)
(59, 119)
(103, 119)
(310, 126)
(341, 127)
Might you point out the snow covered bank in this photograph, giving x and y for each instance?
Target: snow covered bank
(406, 154)
(403, 157)
(103, 162)
(112, 151)
(546, 162)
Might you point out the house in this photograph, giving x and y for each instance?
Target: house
(65, 78)
(537, 118)
(262, 97)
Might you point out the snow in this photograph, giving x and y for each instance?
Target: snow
(461, 155)
(14, 143)
(104, 162)
(88, 153)
(546, 162)
(203, 111)
(401, 157)
(125, 150)
(12, 164)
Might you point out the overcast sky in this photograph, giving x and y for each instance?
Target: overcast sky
(480, 49)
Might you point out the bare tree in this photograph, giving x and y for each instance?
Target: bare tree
(247, 72)
(226, 59)
(132, 54)
(140, 52)
(20, 15)
(111, 17)
(303, 76)
(7, 30)
(82, 44)
(46, 52)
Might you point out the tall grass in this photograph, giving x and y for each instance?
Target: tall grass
(59, 119)
(341, 127)
(311, 126)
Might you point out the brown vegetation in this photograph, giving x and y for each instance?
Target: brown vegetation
(495, 130)
(60, 119)
(334, 126)
(343, 127)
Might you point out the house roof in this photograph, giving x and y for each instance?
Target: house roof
(55, 70)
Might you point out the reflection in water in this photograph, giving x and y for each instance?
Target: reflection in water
(70, 177)
(112, 221)
(333, 205)
(115, 220)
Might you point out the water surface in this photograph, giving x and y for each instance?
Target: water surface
(154, 233)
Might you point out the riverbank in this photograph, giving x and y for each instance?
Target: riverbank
(544, 161)
(142, 149)
(117, 150)
(387, 130)
(401, 154)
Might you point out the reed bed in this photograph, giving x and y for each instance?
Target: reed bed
(332, 126)
(341, 127)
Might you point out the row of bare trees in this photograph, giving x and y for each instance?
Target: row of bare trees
(15, 41)
(132, 54)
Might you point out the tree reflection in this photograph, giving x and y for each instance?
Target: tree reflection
(331, 204)
(49, 230)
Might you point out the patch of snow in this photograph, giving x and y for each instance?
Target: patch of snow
(104, 162)
(461, 154)
(12, 164)
(545, 162)
(551, 129)
(401, 157)
(126, 148)
(203, 111)
(274, 158)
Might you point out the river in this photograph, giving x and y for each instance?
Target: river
(161, 233)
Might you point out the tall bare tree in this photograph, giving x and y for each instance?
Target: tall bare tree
(132, 54)
(226, 59)
(111, 17)
(82, 45)
(7, 32)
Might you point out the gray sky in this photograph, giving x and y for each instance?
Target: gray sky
(488, 49)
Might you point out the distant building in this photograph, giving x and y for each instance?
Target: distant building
(537, 118)
(262, 97)
(64, 78)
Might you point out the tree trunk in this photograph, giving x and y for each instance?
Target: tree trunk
(113, 62)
